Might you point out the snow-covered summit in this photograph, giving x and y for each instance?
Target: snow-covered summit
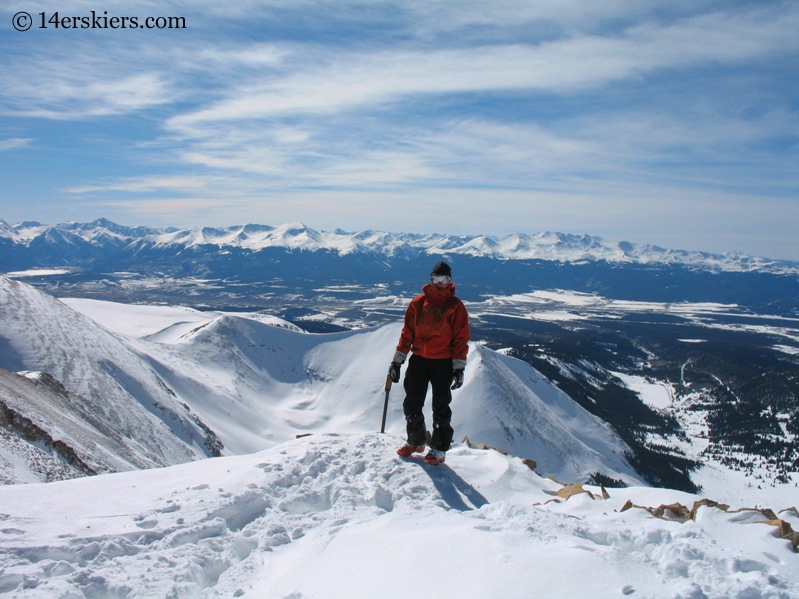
(341, 516)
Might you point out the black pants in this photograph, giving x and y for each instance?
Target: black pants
(420, 373)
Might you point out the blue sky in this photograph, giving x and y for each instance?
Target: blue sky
(672, 122)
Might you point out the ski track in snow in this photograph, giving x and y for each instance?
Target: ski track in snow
(343, 516)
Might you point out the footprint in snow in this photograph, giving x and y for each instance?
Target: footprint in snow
(145, 522)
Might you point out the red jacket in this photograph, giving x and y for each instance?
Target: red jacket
(436, 325)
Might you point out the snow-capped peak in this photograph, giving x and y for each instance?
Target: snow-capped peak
(549, 246)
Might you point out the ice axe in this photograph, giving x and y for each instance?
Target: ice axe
(385, 404)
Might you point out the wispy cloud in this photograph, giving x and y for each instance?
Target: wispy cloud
(79, 89)
(356, 79)
(12, 143)
(144, 184)
(172, 208)
(272, 108)
(367, 92)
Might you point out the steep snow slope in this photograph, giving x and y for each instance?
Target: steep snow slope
(344, 517)
(508, 404)
(252, 385)
(256, 385)
(120, 396)
(51, 434)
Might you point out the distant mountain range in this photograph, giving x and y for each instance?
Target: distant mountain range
(252, 265)
(36, 244)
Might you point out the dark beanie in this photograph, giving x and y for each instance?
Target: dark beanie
(442, 268)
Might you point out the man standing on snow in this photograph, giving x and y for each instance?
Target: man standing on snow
(436, 331)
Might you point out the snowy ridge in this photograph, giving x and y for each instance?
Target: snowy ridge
(181, 383)
(510, 405)
(116, 394)
(548, 246)
(342, 516)
(255, 384)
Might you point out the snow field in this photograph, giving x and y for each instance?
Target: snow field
(256, 385)
(340, 515)
(343, 516)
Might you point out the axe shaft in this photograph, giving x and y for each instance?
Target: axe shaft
(385, 404)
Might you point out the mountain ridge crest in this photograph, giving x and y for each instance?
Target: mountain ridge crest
(545, 246)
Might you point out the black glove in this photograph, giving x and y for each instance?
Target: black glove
(394, 372)
(457, 378)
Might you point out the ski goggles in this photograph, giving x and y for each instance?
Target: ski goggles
(440, 279)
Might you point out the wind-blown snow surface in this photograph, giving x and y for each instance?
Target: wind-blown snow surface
(342, 516)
